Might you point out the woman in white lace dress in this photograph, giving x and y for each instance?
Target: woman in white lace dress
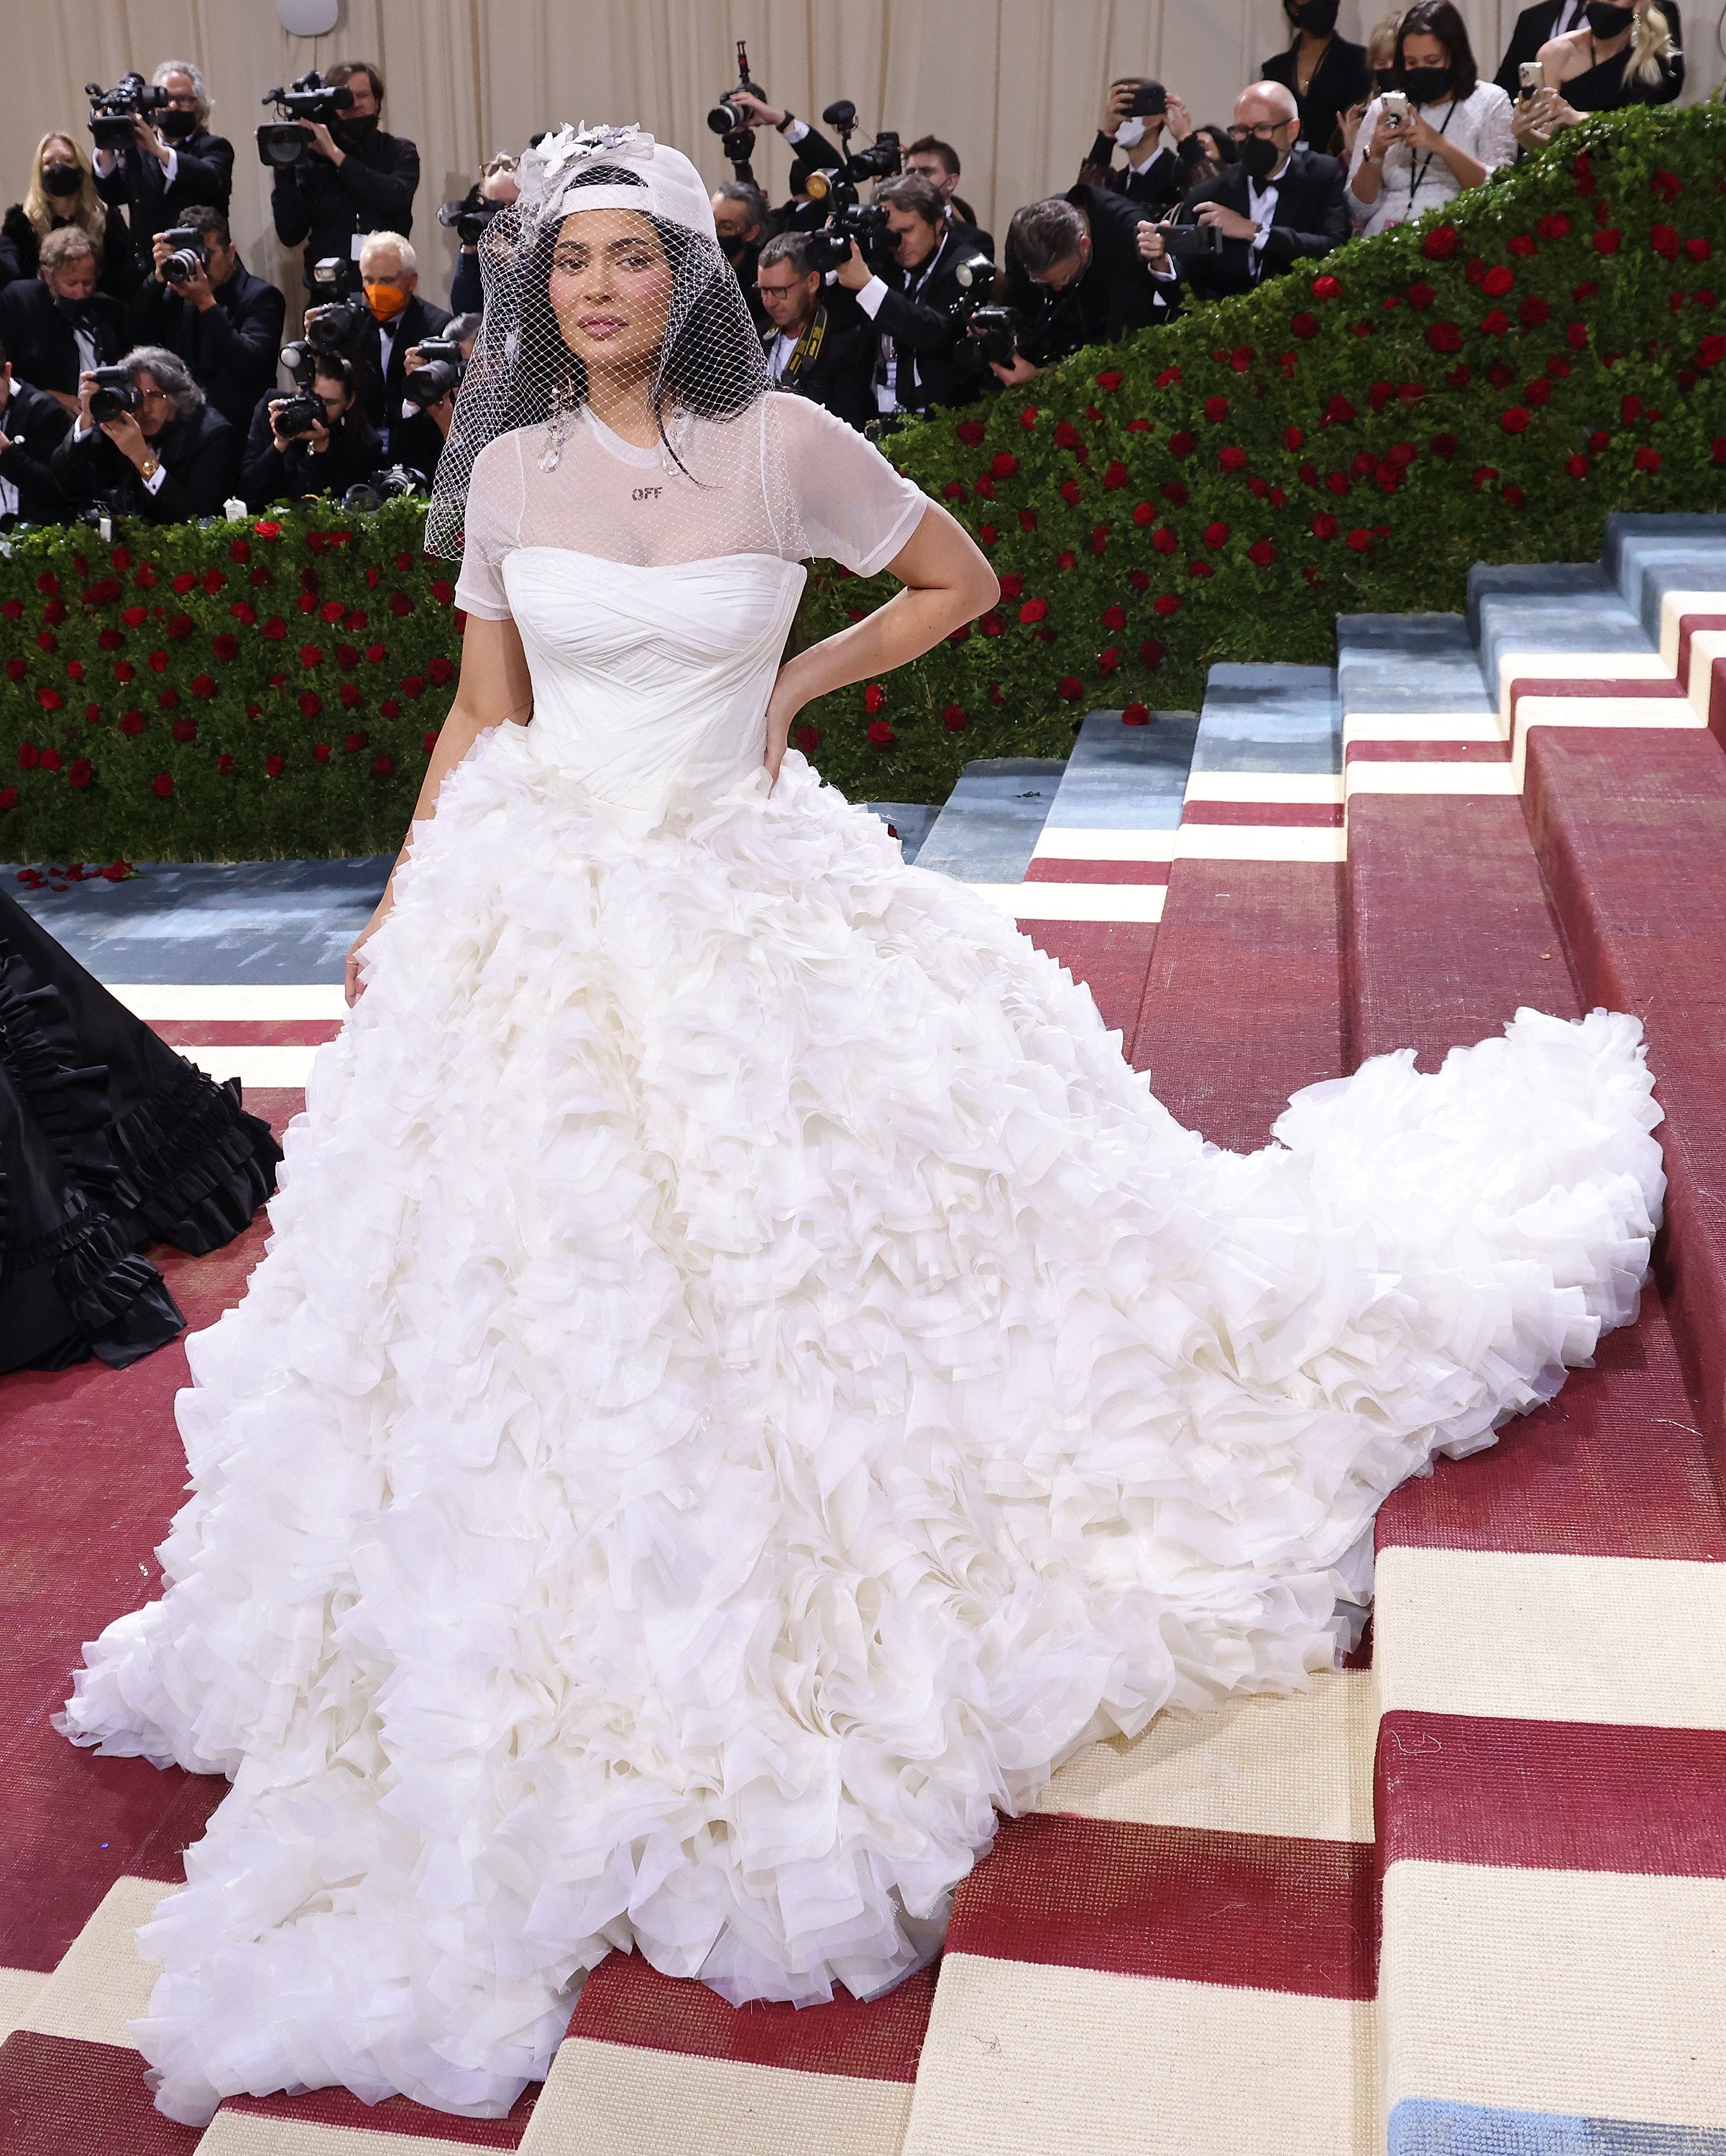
(1456, 131)
(746, 1378)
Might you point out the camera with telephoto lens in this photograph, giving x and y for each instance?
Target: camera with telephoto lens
(112, 111)
(366, 495)
(470, 217)
(731, 120)
(336, 319)
(880, 161)
(283, 142)
(298, 415)
(441, 369)
(114, 393)
(1191, 243)
(995, 331)
(189, 253)
(865, 222)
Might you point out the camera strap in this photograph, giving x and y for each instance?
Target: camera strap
(808, 348)
(1417, 173)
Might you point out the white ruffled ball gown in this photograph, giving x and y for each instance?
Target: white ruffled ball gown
(746, 1379)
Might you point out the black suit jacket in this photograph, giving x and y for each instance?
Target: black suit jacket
(1115, 295)
(1311, 217)
(971, 238)
(268, 474)
(371, 190)
(1343, 78)
(200, 461)
(381, 396)
(935, 362)
(34, 425)
(231, 348)
(203, 174)
(1160, 185)
(839, 372)
(39, 338)
(21, 253)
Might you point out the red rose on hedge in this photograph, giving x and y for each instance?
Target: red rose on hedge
(1498, 281)
(134, 617)
(50, 699)
(275, 628)
(1070, 687)
(1165, 540)
(1608, 242)
(320, 753)
(1325, 526)
(1216, 535)
(185, 730)
(1665, 242)
(1232, 459)
(81, 772)
(50, 759)
(1647, 459)
(132, 723)
(1033, 610)
(1142, 513)
(162, 785)
(1165, 604)
(1327, 287)
(1576, 465)
(1304, 325)
(1441, 244)
(382, 765)
(226, 645)
(353, 743)
(1182, 444)
(400, 604)
(1216, 409)
(204, 686)
(310, 704)
(953, 718)
(28, 755)
(1262, 554)
(881, 734)
(1114, 617)
(1515, 421)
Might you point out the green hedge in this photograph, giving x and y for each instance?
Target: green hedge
(1484, 388)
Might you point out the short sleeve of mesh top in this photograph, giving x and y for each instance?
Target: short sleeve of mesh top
(853, 507)
(491, 524)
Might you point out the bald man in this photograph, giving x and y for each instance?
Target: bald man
(1280, 205)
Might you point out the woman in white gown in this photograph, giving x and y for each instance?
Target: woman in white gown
(746, 1378)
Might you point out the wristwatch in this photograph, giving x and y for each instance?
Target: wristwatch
(149, 468)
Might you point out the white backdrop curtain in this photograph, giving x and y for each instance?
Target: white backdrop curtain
(1016, 84)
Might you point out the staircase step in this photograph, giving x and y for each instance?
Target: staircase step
(986, 832)
(1250, 923)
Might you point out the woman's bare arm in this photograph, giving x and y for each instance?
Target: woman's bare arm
(495, 686)
(947, 581)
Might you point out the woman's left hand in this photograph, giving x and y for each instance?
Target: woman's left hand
(783, 707)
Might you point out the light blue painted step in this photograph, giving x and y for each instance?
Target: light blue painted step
(911, 821)
(1389, 663)
(1647, 556)
(1282, 718)
(1126, 779)
(1549, 607)
(988, 828)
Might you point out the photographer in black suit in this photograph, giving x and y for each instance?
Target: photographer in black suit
(1074, 276)
(170, 164)
(818, 344)
(225, 323)
(357, 179)
(740, 217)
(389, 274)
(1156, 174)
(32, 428)
(56, 324)
(1281, 204)
(168, 460)
(811, 152)
(916, 302)
(291, 453)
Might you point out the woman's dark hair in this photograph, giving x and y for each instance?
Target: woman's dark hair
(706, 300)
(1226, 150)
(1439, 19)
(352, 374)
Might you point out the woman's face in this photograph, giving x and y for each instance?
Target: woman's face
(58, 150)
(335, 396)
(1208, 147)
(1421, 50)
(610, 288)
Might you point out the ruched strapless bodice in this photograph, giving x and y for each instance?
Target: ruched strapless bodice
(651, 680)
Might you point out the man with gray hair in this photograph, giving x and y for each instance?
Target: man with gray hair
(1074, 276)
(389, 276)
(1278, 205)
(164, 455)
(170, 162)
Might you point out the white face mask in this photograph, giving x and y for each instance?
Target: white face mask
(1130, 134)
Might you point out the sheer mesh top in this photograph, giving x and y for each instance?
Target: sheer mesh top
(783, 478)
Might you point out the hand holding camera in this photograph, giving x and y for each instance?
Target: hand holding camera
(308, 108)
(301, 418)
(108, 398)
(182, 260)
(433, 371)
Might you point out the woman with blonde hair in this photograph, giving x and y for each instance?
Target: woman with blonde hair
(1624, 55)
(62, 191)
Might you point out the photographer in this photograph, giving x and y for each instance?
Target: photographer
(811, 151)
(389, 275)
(56, 324)
(314, 441)
(1444, 132)
(225, 323)
(1135, 116)
(32, 427)
(147, 445)
(740, 217)
(63, 192)
(1074, 277)
(356, 178)
(818, 346)
(1281, 204)
(417, 440)
(939, 163)
(498, 184)
(170, 165)
(923, 357)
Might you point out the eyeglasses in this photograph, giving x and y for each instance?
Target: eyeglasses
(1267, 130)
(776, 291)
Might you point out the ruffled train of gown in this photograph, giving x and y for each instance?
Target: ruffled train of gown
(745, 1381)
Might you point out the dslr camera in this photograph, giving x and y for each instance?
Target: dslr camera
(283, 143)
(833, 195)
(336, 320)
(442, 369)
(112, 111)
(865, 223)
(731, 121)
(1191, 243)
(190, 255)
(366, 495)
(299, 414)
(114, 393)
(469, 217)
(997, 332)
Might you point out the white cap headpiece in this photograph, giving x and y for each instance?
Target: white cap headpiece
(671, 186)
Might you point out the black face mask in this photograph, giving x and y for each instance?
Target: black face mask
(1318, 18)
(1260, 158)
(1607, 20)
(1426, 86)
(176, 125)
(62, 179)
(76, 311)
(1385, 78)
(356, 131)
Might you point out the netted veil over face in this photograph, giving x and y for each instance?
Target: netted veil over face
(523, 373)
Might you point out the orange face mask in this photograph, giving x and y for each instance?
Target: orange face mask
(386, 302)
